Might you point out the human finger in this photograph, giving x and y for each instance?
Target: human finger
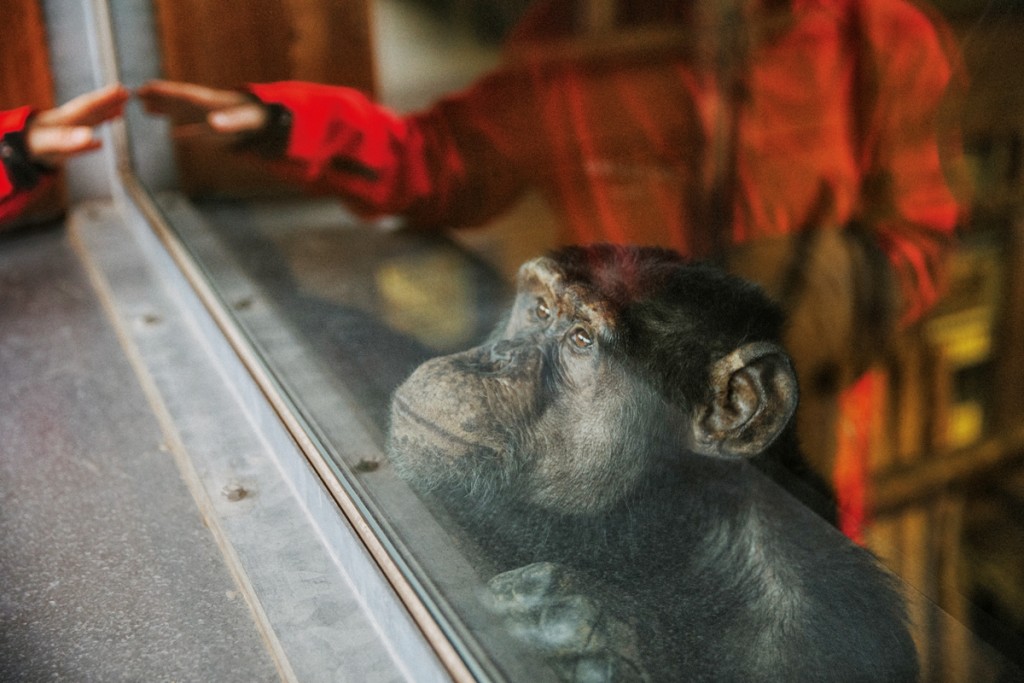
(239, 119)
(89, 109)
(173, 97)
(52, 144)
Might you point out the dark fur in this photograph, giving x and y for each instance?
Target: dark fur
(721, 573)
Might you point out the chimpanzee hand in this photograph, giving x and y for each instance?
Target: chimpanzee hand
(547, 607)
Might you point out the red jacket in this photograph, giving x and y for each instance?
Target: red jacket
(836, 122)
(14, 199)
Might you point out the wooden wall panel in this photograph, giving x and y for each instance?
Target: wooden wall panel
(25, 78)
(24, 64)
(227, 43)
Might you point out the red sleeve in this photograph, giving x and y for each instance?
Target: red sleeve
(918, 212)
(449, 165)
(12, 200)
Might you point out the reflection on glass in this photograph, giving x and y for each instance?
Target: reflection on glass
(798, 131)
(599, 445)
(808, 146)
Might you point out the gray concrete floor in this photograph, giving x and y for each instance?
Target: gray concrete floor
(107, 572)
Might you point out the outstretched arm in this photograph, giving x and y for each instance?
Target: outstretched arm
(441, 167)
(57, 134)
(33, 144)
(228, 112)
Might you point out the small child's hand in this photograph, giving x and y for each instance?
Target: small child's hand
(55, 134)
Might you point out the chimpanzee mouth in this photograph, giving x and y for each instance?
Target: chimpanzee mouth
(400, 410)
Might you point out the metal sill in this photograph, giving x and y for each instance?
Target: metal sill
(324, 606)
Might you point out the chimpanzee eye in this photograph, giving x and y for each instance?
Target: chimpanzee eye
(581, 338)
(542, 311)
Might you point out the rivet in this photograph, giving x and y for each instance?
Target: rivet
(367, 465)
(234, 492)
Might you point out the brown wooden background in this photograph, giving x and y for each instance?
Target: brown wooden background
(25, 77)
(228, 43)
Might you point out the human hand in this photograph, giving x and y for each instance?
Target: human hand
(55, 134)
(228, 112)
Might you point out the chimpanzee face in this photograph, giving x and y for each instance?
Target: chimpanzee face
(544, 403)
(556, 410)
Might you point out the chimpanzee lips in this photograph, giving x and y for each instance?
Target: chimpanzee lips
(401, 411)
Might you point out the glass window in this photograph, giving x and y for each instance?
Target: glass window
(592, 468)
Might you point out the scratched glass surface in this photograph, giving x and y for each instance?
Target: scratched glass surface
(608, 463)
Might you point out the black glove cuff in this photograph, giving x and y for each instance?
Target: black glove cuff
(23, 173)
(272, 139)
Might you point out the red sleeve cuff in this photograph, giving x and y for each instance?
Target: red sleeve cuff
(11, 121)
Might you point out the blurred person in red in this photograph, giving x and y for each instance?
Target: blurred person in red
(33, 144)
(796, 142)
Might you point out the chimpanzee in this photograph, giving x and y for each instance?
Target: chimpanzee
(607, 448)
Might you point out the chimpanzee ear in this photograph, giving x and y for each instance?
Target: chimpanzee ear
(753, 396)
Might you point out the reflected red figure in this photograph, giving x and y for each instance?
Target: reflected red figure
(836, 97)
(798, 142)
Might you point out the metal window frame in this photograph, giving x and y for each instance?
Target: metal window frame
(117, 225)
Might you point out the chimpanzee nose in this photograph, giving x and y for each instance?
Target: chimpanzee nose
(502, 352)
(503, 357)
